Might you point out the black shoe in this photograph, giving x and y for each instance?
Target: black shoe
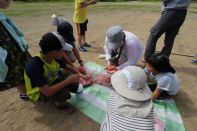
(194, 61)
(86, 45)
(83, 49)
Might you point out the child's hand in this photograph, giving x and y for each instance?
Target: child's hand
(82, 70)
(83, 76)
(73, 78)
(81, 63)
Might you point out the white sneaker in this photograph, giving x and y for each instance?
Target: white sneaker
(102, 56)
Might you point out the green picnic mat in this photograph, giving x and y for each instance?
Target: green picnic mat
(94, 104)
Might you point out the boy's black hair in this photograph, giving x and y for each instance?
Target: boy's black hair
(49, 42)
(160, 63)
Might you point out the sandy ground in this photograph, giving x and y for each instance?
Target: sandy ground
(26, 116)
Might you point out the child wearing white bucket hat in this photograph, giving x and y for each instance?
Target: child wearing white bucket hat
(130, 106)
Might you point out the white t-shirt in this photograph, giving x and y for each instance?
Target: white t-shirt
(131, 51)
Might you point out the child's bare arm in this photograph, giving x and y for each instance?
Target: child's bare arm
(156, 93)
(77, 55)
(87, 3)
(91, 2)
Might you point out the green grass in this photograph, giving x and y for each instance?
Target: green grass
(134, 6)
(34, 8)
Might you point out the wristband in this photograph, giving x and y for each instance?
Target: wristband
(80, 61)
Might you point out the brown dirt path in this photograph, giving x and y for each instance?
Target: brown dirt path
(25, 116)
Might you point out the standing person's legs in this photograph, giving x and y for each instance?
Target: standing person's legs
(84, 29)
(177, 19)
(155, 32)
(163, 25)
(169, 41)
(84, 38)
(81, 32)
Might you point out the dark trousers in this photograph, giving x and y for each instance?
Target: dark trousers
(63, 94)
(169, 23)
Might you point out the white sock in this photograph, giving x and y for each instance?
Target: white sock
(79, 93)
(80, 88)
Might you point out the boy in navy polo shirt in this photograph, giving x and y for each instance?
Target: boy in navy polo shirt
(43, 78)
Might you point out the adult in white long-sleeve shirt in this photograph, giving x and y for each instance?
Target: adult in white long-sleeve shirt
(132, 47)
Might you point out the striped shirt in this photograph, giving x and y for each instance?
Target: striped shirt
(114, 122)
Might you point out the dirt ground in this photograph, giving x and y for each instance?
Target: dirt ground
(26, 116)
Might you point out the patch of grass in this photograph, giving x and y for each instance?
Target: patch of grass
(134, 6)
(34, 8)
(193, 8)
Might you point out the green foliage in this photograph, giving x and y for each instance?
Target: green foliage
(74, 0)
(44, 0)
(36, 8)
(99, 0)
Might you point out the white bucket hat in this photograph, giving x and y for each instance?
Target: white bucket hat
(115, 37)
(131, 83)
(133, 94)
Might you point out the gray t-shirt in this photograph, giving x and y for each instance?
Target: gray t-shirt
(168, 82)
(175, 4)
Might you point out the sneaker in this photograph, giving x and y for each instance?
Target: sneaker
(194, 61)
(79, 92)
(79, 95)
(24, 97)
(83, 49)
(102, 56)
(86, 45)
